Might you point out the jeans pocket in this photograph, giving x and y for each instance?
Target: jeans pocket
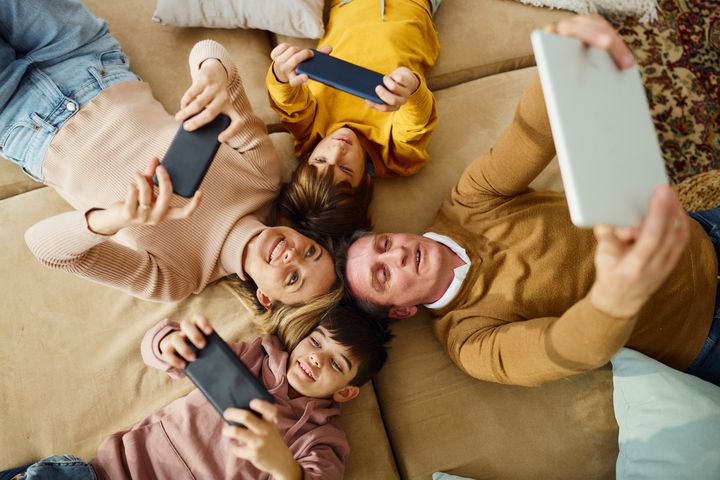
(16, 141)
(113, 60)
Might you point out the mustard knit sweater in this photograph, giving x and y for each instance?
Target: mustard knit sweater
(397, 141)
(522, 315)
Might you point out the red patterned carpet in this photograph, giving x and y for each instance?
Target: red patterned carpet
(679, 59)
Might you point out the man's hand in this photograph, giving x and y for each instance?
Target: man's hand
(286, 59)
(396, 89)
(174, 347)
(595, 31)
(140, 206)
(632, 263)
(207, 97)
(261, 442)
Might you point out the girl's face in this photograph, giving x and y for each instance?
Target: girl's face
(288, 267)
(342, 150)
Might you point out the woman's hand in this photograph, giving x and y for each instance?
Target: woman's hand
(632, 263)
(261, 443)
(286, 59)
(396, 89)
(174, 347)
(140, 206)
(595, 31)
(207, 97)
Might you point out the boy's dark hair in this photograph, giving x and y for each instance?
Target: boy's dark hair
(366, 338)
(311, 202)
(340, 252)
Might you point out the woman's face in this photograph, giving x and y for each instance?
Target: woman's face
(288, 267)
(341, 149)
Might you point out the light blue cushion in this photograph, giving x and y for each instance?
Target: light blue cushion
(669, 421)
(447, 476)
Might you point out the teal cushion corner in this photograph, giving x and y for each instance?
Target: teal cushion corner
(669, 421)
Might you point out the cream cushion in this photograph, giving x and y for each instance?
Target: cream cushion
(299, 18)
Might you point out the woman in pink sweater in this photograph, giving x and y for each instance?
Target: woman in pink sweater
(75, 117)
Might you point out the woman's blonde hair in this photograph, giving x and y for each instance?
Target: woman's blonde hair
(291, 323)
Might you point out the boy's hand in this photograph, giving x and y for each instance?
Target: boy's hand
(261, 442)
(174, 347)
(397, 87)
(141, 206)
(207, 97)
(286, 59)
(595, 31)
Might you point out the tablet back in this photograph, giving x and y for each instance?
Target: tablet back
(606, 144)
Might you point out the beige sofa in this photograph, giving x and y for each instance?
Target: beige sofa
(72, 372)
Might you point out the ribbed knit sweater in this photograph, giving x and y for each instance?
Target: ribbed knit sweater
(396, 141)
(523, 315)
(91, 161)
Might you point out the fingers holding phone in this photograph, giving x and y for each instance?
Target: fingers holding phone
(175, 347)
(396, 89)
(207, 97)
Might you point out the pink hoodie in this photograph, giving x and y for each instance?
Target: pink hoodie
(183, 440)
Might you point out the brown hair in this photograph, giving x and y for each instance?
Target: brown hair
(366, 338)
(313, 204)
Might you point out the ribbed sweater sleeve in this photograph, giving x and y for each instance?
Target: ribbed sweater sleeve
(296, 106)
(247, 137)
(523, 150)
(64, 242)
(534, 351)
(412, 127)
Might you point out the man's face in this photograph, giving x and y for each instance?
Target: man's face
(320, 367)
(399, 269)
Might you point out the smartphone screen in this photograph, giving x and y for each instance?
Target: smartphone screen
(189, 156)
(342, 75)
(223, 378)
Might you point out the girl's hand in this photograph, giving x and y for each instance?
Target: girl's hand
(207, 97)
(396, 89)
(174, 346)
(261, 442)
(595, 31)
(141, 206)
(286, 59)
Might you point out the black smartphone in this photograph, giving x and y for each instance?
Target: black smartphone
(223, 378)
(342, 75)
(190, 154)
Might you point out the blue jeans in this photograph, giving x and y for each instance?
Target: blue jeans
(57, 467)
(55, 56)
(707, 363)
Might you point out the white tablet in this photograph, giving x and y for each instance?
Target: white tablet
(606, 144)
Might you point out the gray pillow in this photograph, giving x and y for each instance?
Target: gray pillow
(296, 18)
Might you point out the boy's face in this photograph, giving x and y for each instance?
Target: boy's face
(320, 367)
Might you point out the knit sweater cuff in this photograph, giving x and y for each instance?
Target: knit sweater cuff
(206, 49)
(419, 107)
(283, 94)
(150, 347)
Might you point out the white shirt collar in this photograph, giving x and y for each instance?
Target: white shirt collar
(460, 272)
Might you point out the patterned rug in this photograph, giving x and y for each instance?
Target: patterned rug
(679, 59)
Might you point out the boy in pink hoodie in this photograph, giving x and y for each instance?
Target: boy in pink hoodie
(298, 437)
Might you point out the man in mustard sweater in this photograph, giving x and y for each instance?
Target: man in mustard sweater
(519, 294)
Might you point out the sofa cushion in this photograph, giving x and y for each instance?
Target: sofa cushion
(13, 181)
(159, 54)
(299, 18)
(473, 116)
(440, 419)
(72, 371)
